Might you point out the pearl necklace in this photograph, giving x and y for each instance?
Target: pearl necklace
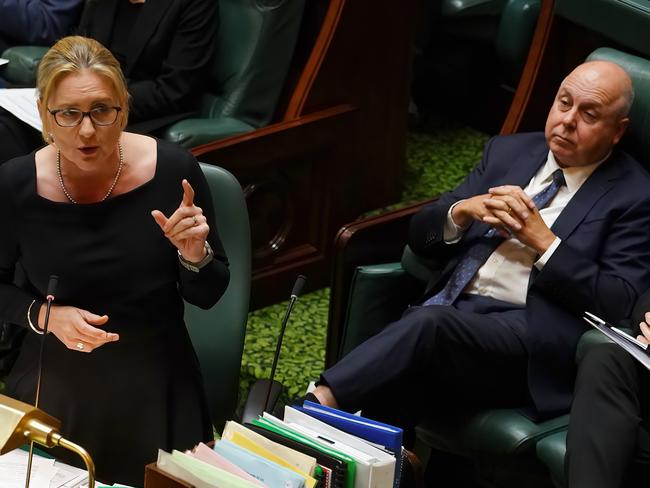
(110, 190)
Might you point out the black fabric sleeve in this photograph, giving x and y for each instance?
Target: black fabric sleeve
(14, 302)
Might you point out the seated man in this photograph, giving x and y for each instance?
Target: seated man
(499, 323)
(608, 444)
(39, 22)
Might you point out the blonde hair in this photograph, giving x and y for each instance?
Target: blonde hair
(74, 54)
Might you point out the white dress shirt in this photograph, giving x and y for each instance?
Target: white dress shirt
(506, 272)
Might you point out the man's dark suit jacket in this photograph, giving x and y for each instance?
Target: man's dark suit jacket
(171, 47)
(601, 266)
(40, 23)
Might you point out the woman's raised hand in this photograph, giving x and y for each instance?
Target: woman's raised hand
(187, 228)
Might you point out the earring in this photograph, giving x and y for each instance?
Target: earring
(50, 137)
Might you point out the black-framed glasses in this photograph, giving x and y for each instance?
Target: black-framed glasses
(71, 117)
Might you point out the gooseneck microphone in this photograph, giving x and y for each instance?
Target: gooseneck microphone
(51, 289)
(295, 293)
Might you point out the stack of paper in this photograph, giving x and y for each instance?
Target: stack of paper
(313, 447)
(46, 472)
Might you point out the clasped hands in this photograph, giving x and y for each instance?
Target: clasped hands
(81, 330)
(508, 209)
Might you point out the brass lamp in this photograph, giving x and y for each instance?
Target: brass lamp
(21, 423)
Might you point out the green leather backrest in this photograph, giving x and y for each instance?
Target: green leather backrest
(625, 22)
(255, 44)
(23, 64)
(514, 35)
(218, 333)
(636, 139)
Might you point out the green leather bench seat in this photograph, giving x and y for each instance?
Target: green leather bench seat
(551, 451)
(458, 8)
(624, 21)
(22, 66)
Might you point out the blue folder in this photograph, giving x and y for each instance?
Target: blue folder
(385, 435)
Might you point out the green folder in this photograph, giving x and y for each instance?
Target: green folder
(296, 436)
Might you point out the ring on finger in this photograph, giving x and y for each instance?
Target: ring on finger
(80, 346)
(195, 220)
(509, 211)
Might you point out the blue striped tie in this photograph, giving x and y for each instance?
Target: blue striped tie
(480, 252)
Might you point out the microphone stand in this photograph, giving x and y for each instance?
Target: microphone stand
(51, 288)
(295, 293)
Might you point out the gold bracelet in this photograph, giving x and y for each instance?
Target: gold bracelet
(29, 320)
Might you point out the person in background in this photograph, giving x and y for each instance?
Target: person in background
(126, 223)
(547, 226)
(608, 443)
(36, 22)
(165, 49)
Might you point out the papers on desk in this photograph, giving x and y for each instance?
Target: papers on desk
(637, 349)
(46, 473)
(21, 102)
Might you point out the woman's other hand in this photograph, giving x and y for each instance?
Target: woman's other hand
(78, 329)
(187, 228)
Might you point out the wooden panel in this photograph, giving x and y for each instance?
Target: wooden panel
(300, 190)
(339, 147)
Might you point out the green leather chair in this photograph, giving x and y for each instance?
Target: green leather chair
(218, 333)
(255, 45)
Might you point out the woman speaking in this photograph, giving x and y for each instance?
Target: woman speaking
(127, 224)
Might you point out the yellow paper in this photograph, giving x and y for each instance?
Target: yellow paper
(246, 443)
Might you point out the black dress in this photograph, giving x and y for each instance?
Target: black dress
(126, 399)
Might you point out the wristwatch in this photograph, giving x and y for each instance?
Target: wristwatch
(195, 267)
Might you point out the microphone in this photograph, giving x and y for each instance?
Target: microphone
(51, 290)
(295, 293)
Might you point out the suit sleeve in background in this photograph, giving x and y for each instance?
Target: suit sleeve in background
(39, 22)
(184, 69)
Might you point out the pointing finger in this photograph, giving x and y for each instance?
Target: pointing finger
(188, 194)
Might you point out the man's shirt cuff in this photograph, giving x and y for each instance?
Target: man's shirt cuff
(452, 232)
(541, 262)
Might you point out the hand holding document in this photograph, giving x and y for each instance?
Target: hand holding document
(637, 349)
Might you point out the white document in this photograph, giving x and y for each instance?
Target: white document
(21, 102)
(627, 343)
(3, 61)
(46, 472)
(375, 467)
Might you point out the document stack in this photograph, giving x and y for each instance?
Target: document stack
(312, 447)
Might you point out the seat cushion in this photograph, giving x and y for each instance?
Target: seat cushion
(488, 435)
(551, 451)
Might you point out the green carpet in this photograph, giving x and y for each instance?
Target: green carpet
(438, 157)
